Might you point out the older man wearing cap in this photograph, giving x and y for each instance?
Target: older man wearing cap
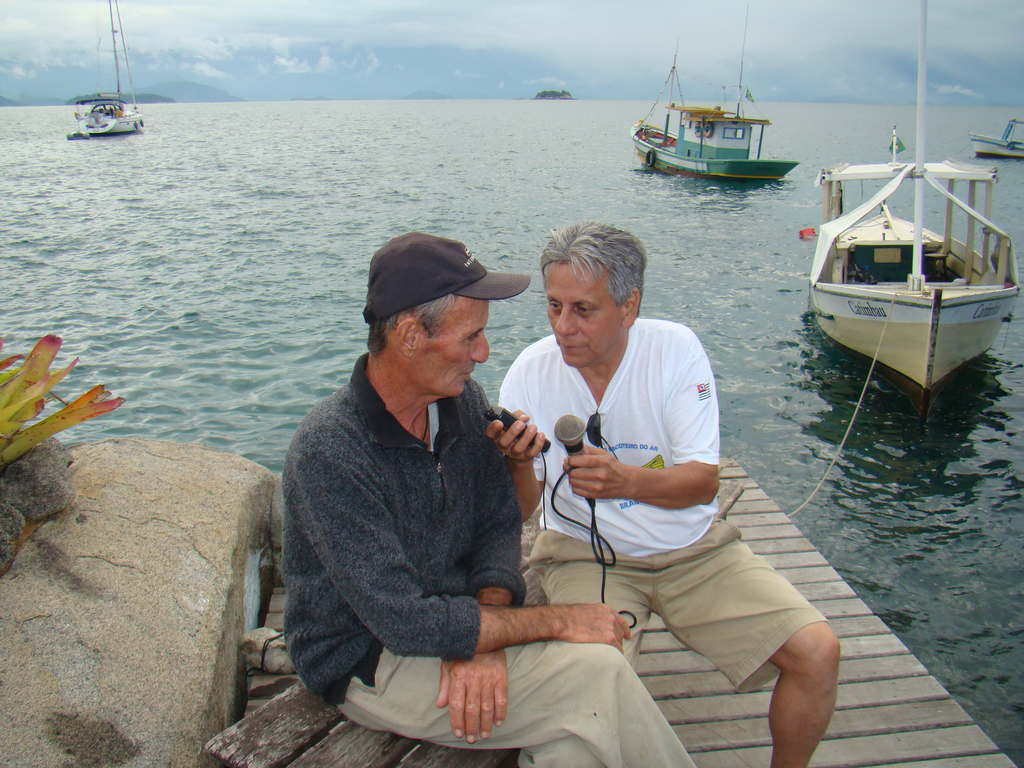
(401, 548)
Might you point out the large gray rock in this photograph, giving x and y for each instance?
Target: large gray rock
(37, 484)
(11, 526)
(120, 619)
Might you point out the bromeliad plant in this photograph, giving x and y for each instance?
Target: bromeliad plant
(24, 392)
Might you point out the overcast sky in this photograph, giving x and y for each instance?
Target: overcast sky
(796, 50)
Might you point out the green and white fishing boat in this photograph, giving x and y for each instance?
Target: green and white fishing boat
(706, 141)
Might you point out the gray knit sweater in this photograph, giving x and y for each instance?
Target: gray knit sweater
(386, 543)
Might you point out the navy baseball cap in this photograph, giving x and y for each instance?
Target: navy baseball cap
(415, 268)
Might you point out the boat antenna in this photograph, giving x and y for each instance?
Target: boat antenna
(916, 279)
(672, 78)
(743, 50)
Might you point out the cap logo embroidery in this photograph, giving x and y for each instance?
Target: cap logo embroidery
(470, 258)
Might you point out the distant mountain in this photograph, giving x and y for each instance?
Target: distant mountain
(153, 98)
(553, 95)
(31, 101)
(426, 95)
(186, 91)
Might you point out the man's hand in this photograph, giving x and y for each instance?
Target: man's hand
(521, 442)
(476, 694)
(597, 474)
(594, 623)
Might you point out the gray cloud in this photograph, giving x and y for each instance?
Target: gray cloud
(795, 49)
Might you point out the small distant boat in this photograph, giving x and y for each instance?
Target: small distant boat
(925, 310)
(706, 141)
(1004, 146)
(709, 141)
(105, 114)
(109, 114)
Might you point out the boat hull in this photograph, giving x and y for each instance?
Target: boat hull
(928, 335)
(664, 160)
(988, 146)
(114, 127)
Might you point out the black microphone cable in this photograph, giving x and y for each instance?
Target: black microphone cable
(604, 554)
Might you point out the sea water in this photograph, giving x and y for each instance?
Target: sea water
(212, 271)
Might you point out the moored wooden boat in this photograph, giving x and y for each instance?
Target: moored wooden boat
(707, 141)
(919, 303)
(923, 318)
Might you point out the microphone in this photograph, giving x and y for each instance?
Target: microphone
(569, 430)
(507, 419)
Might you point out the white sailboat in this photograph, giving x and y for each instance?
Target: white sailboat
(110, 114)
(922, 302)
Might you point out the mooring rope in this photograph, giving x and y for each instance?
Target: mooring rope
(853, 416)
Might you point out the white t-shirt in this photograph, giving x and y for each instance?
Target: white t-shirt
(659, 409)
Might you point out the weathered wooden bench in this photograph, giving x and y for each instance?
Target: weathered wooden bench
(297, 728)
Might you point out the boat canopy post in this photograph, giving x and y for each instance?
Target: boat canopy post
(668, 117)
(972, 200)
(760, 141)
(915, 280)
(986, 232)
(1002, 260)
(947, 235)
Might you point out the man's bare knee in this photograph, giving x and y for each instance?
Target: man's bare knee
(811, 650)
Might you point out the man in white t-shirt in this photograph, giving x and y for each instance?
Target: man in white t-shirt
(634, 523)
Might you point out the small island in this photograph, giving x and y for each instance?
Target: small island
(553, 95)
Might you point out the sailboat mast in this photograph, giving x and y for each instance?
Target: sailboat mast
(917, 277)
(113, 37)
(743, 50)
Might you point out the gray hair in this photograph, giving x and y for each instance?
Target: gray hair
(592, 249)
(430, 314)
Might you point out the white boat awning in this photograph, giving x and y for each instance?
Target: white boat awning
(829, 231)
(947, 169)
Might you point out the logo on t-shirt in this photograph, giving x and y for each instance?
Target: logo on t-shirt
(658, 462)
(704, 390)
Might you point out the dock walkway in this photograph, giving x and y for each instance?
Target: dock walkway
(890, 711)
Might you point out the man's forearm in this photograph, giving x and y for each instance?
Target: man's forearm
(501, 627)
(676, 487)
(494, 596)
(528, 487)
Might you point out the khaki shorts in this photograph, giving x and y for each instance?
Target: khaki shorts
(716, 596)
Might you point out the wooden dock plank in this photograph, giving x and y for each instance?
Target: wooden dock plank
(887, 719)
(962, 741)
(683, 661)
(708, 683)
(872, 694)
(975, 761)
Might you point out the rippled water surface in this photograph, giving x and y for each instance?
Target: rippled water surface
(212, 272)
